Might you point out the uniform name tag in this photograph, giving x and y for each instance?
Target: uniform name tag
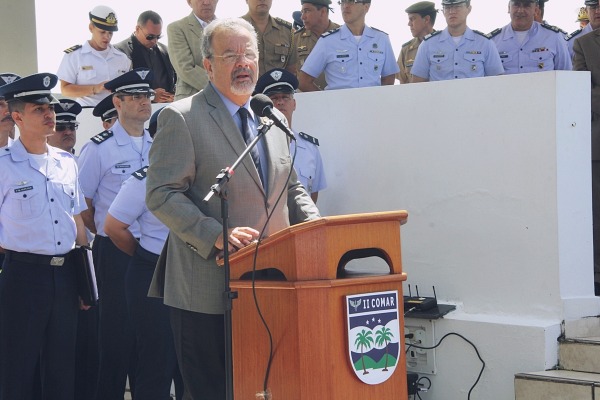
(122, 166)
(342, 56)
(23, 189)
(87, 67)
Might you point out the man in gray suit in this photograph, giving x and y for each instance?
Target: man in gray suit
(185, 37)
(196, 138)
(586, 57)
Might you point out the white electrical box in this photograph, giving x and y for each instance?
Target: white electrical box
(420, 360)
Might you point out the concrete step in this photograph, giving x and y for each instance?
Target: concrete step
(580, 354)
(557, 385)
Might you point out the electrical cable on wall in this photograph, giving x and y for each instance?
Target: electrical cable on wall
(439, 343)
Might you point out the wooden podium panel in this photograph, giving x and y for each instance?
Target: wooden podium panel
(312, 250)
(310, 341)
(307, 312)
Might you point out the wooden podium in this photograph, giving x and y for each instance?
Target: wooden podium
(306, 312)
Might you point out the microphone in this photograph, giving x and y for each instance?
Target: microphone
(262, 106)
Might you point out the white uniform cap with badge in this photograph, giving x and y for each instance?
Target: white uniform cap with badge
(104, 18)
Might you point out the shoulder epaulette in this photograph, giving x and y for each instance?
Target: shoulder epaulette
(330, 32)
(573, 34)
(300, 30)
(141, 173)
(72, 49)
(101, 137)
(283, 22)
(432, 34)
(378, 30)
(309, 138)
(495, 32)
(407, 43)
(551, 27)
(485, 35)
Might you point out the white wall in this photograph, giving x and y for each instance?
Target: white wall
(495, 175)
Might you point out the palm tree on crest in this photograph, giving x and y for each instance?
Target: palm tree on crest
(384, 335)
(364, 339)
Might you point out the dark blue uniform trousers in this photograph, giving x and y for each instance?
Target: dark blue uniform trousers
(157, 362)
(38, 323)
(115, 333)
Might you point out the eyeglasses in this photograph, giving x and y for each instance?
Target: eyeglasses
(151, 37)
(453, 7)
(231, 58)
(66, 127)
(284, 97)
(138, 96)
(341, 2)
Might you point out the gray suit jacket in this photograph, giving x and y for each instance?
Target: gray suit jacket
(185, 37)
(586, 57)
(196, 138)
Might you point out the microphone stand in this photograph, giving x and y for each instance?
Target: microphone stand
(220, 189)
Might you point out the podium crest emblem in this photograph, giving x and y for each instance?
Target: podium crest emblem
(373, 335)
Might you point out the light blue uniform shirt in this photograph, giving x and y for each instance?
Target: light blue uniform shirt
(439, 58)
(106, 165)
(129, 207)
(542, 50)
(578, 33)
(308, 164)
(38, 204)
(348, 64)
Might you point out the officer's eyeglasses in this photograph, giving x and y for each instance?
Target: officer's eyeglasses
(453, 7)
(231, 58)
(66, 127)
(138, 96)
(284, 97)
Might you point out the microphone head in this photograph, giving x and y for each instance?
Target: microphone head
(260, 103)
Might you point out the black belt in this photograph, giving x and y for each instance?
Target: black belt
(30, 258)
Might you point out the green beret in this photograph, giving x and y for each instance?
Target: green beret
(421, 7)
(317, 2)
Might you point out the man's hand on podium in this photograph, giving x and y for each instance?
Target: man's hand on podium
(238, 238)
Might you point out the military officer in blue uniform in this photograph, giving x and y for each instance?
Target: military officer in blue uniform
(457, 52)
(349, 62)
(528, 46)
(40, 223)
(280, 85)
(106, 111)
(157, 363)
(64, 138)
(7, 125)
(105, 163)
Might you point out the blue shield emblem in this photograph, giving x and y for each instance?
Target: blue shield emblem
(373, 335)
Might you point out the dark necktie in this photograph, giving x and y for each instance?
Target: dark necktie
(248, 136)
